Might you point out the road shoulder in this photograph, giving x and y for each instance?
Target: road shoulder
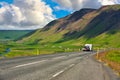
(88, 69)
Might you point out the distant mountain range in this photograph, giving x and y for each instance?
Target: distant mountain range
(13, 34)
(98, 26)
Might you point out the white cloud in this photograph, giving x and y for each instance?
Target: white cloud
(109, 2)
(25, 14)
(57, 8)
(78, 4)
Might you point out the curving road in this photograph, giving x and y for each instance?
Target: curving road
(64, 66)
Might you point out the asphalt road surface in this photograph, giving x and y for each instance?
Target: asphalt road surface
(63, 66)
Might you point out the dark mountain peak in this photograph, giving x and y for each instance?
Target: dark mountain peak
(87, 9)
(63, 22)
(78, 14)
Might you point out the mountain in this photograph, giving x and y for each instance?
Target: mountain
(100, 27)
(13, 34)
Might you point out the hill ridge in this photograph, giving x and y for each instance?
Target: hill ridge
(83, 26)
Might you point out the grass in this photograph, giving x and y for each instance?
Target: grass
(46, 43)
(112, 58)
(13, 34)
(18, 50)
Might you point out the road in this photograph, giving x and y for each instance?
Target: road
(64, 66)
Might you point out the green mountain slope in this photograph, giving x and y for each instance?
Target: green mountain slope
(100, 27)
(13, 34)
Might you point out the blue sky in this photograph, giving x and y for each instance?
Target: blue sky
(58, 13)
(8, 1)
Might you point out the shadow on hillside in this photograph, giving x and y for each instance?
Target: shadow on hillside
(105, 22)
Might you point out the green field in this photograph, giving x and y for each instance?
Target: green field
(13, 34)
(18, 50)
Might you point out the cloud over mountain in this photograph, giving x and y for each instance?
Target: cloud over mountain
(29, 14)
(78, 4)
(33, 14)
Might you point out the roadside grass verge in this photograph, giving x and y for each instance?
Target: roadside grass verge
(35, 52)
(21, 50)
(111, 58)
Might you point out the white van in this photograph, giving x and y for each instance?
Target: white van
(87, 47)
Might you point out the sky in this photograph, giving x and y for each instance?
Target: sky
(34, 14)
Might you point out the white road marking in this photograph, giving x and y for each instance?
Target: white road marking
(29, 64)
(58, 73)
(59, 57)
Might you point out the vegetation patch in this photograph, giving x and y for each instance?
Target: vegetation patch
(13, 34)
(112, 58)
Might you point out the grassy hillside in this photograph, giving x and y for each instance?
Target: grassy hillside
(13, 34)
(100, 27)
